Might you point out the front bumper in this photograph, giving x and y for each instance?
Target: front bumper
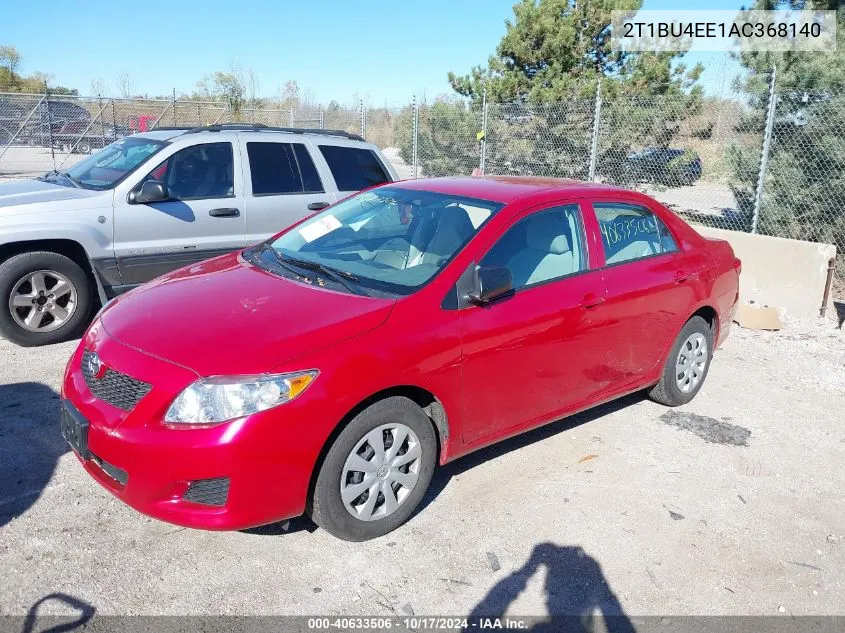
(151, 466)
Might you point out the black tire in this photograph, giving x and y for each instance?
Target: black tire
(667, 391)
(19, 266)
(327, 507)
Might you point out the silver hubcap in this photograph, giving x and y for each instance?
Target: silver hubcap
(692, 359)
(42, 301)
(380, 472)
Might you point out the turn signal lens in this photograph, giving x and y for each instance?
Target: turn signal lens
(298, 384)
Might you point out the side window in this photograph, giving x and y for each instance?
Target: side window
(354, 168)
(198, 171)
(545, 245)
(281, 168)
(629, 232)
(311, 182)
(667, 242)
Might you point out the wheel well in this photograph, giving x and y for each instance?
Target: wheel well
(422, 397)
(69, 248)
(709, 314)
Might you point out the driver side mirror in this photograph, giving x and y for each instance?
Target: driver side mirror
(490, 282)
(151, 191)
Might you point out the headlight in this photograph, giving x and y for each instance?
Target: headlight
(223, 398)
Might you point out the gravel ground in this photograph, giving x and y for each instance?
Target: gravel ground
(732, 504)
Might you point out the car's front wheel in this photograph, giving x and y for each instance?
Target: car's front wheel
(376, 471)
(44, 298)
(687, 364)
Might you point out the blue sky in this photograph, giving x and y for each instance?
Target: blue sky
(335, 49)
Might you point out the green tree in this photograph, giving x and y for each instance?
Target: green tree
(447, 141)
(10, 59)
(223, 86)
(804, 188)
(11, 81)
(544, 74)
(237, 88)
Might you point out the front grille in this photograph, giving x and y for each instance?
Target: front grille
(117, 389)
(210, 492)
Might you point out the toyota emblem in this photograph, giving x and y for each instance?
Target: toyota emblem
(95, 366)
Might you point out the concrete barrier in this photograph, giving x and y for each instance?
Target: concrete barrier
(779, 272)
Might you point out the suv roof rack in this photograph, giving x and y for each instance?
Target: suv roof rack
(260, 127)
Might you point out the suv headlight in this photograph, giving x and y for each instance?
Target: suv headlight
(222, 398)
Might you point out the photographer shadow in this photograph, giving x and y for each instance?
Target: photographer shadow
(578, 598)
(83, 612)
(31, 444)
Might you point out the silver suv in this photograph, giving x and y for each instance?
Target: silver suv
(156, 201)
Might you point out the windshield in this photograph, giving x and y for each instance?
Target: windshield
(388, 239)
(112, 164)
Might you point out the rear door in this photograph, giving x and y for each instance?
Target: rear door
(203, 218)
(353, 167)
(283, 184)
(650, 285)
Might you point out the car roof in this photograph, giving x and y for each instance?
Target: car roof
(158, 135)
(338, 137)
(504, 189)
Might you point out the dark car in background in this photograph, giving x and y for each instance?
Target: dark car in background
(12, 114)
(665, 165)
(61, 124)
(69, 126)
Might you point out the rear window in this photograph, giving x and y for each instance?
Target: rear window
(630, 232)
(354, 168)
(281, 168)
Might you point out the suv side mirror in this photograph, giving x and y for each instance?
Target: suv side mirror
(490, 282)
(151, 191)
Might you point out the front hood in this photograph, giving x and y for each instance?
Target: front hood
(25, 192)
(226, 316)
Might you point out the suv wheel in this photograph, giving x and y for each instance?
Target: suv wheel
(44, 298)
(376, 471)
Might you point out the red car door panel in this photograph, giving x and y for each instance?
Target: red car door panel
(535, 353)
(650, 294)
(531, 355)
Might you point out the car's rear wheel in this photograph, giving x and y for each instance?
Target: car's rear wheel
(44, 298)
(376, 471)
(686, 366)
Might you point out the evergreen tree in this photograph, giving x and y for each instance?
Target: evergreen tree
(804, 187)
(541, 84)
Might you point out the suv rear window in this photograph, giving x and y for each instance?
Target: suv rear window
(280, 168)
(354, 168)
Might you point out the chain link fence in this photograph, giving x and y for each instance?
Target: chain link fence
(771, 163)
(43, 132)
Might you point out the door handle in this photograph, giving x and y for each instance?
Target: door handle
(591, 300)
(316, 206)
(227, 212)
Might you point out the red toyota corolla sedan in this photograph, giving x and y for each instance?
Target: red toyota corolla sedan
(329, 369)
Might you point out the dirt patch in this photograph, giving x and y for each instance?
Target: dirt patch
(709, 429)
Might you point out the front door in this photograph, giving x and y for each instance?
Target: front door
(205, 215)
(532, 355)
